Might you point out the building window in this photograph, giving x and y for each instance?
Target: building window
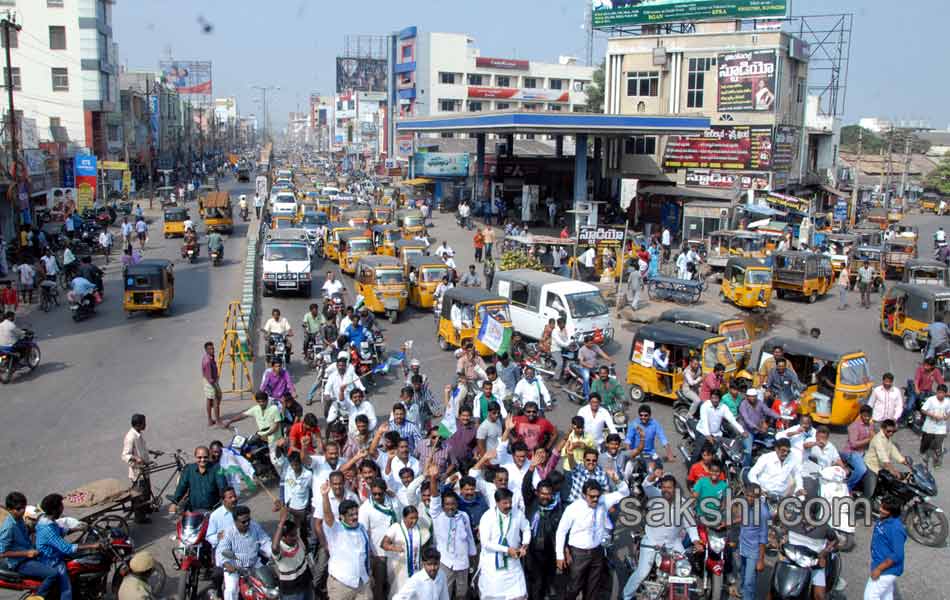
(502, 105)
(474, 79)
(114, 133)
(640, 144)
(406, 53)
(16, 77)
(60, 79)
(447, 105)
(581, 86)
(14, 38)
(503, 81)
(530, 82)
(532, 106)
(800, 92)
(696, 81)
(556, 84)
(55, 122)
(555, 107)
(54, 3)
(643, 83)
(57, 37)
(447, 78)
(474, 106)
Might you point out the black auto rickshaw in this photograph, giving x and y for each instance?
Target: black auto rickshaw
(149, 286)
(926, 272)
(907, 310)
(734, 328)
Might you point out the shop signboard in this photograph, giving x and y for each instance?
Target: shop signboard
(785, 143)
(526, 94)
(733, 147)
(746, 81)
(790, 202)
(610, 13)
(191, 78)
(728, 180)
(501, 63)
(441, 164)
(85, 171)
(590, 233)
(841, 211)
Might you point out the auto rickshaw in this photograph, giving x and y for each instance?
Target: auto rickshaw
(471, 307)
(926, 272)
(385, 238)
(174, 218)
(907, 310)
(381, 282)
(167, 195)
(407, 248)
(733, 328)
(874, 256)
(643, 376)
(357, 216)
(331, 240)
(216, 210)
(353, 246)
(897, 251)
(382, 215)
(337, 208)
(723, 245)
(747, 283)
(324, 203)
(804, 274)
(149, 286)
(424, 273)
(878, 216)
(840, 246)
(283, 221)
(836, 382)
(929, 202)
(411, 222)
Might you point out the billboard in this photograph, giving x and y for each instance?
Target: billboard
(733, 147)
(441, 164)
(501, 63)
(609, 13)
(728, 180)
(746, 81)
(518, 94)
(360, 74)
(188, 77)
(785, 146)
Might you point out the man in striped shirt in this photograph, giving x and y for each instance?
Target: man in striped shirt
(407, 430)
(247, 541)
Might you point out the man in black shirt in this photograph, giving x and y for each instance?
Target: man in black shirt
(543, 510)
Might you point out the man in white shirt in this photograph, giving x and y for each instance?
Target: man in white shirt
(587, 260)
(332, 286)
(936, 411)
(505, 535)
(126, 231)
(823, 451)
(49, 262)
(340, 381)
(666, 240)
(444, 250)
(669, 534)
(220, 520)
(349, 550)
(586, 521)
(596, 419)
(778, 472)
(376, 515)
(801, 436)
(531, 389)
(428, 584)
(886, 400)
(514, 459)
(711, 415)
(356, 405)
(453, 536)
(105, 242)
(281, 326)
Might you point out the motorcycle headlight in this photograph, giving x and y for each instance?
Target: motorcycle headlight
(273, 593)
(716, 543)
(683, 568)
(802, 559)
(189, 537)
(269, 276)
(620, 418)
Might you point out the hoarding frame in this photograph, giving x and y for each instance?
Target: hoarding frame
(193, 79)
(605, 15)
(361, 74)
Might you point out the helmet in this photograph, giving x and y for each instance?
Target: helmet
(415, 363)
(342, 356)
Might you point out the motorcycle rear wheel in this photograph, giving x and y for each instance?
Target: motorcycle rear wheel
(6, 372)
(33, 358)
(936, 537)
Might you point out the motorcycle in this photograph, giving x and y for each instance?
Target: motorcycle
(245, 214)
(257, 452)
(24, 355)
(926, 522)
(712, 561)
(277, 349)
(85, 308)
(190, 252)
(671, 577)
(191, 553)
(832, 484)
(543, 363)
(258, 583)
(216, 257)
(89, 570)
(791, 577)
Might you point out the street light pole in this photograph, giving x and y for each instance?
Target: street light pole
(263, 89)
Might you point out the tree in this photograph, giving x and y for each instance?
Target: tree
(595, 91)
(939, 178)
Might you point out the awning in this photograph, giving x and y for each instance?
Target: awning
(416, 181)
(799, 205)
(685, 192)
(834, 192)
(758, 209)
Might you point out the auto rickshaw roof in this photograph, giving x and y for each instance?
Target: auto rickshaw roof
(471, 296)
(379, 261)
(352, 235)
(338, 225)
(737, 233)
(422, 260)
(841, 237)
(924, 263)
(746, 263)
(804, 347)
(411, 244)
(877, 249)
(931, 292)
(382, 228)
(148, 266)
(711, 320)
(409, 212)
(665, 332)
(901, 241)
(176, 211)
(217, 200)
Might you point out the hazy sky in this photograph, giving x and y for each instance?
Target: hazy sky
(898, 67)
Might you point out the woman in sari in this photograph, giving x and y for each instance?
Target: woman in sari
(403, 543)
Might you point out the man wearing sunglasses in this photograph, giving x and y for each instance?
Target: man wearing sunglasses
(201, 483)
(246, 541)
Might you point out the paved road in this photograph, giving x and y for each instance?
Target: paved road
(72, 413)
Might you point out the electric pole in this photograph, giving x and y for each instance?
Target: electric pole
(907, 135)
(151, 141)
(855, 189)
(9, 25)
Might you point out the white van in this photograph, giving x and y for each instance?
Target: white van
(537, 296)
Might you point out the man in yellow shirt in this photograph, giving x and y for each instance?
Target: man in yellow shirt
(577, 442)
(882, 454)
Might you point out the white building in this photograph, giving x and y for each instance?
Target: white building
(874, 124)
(65, 71)
(451, 75)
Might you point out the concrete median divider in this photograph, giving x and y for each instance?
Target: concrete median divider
(249, 291)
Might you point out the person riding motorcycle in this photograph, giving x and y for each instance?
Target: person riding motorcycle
(91, 272)
(189, 241)
(79, 288)
(280, 326)
(783, 382)
(242, 205)
(340, 380)
(938, 338)
(10, 334)
(215, 243)
(312, 324)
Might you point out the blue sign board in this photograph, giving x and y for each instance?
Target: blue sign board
(85, 165)
(66, 168)
(841, 211)
(441, 164)
(153, 118)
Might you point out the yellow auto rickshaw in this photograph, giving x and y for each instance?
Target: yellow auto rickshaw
(461, 314)
(337, 208)
(411, 222)
(929, 202)
(216, 210)
(734, 329)
(381, 282)
(747, 283)
(283, 221)
(353, 246)
(324, 203)
(804, 274)
(682, 343)
(424, 274)
(174, 218)
(149, 286)
(331, 241)
(357, 216)
(385, 238)
(836, 382)
(908, 309)
(382, 215)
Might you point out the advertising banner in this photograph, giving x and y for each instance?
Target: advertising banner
(785, 146)
(67, 168)
(747, 81)
(85, 171)
(728, 180)
(608, 13)
(529, 95)
(441, 164)
(589, 233)
(404, 145)
(188, 77)
(734, 147)
(153, 118)
(360, 74)
(501, 63)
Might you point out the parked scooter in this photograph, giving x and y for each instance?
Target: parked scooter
(791, 577)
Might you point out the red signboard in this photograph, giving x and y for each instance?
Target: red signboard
(475, 91)
(501, 63)
(734, 147)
